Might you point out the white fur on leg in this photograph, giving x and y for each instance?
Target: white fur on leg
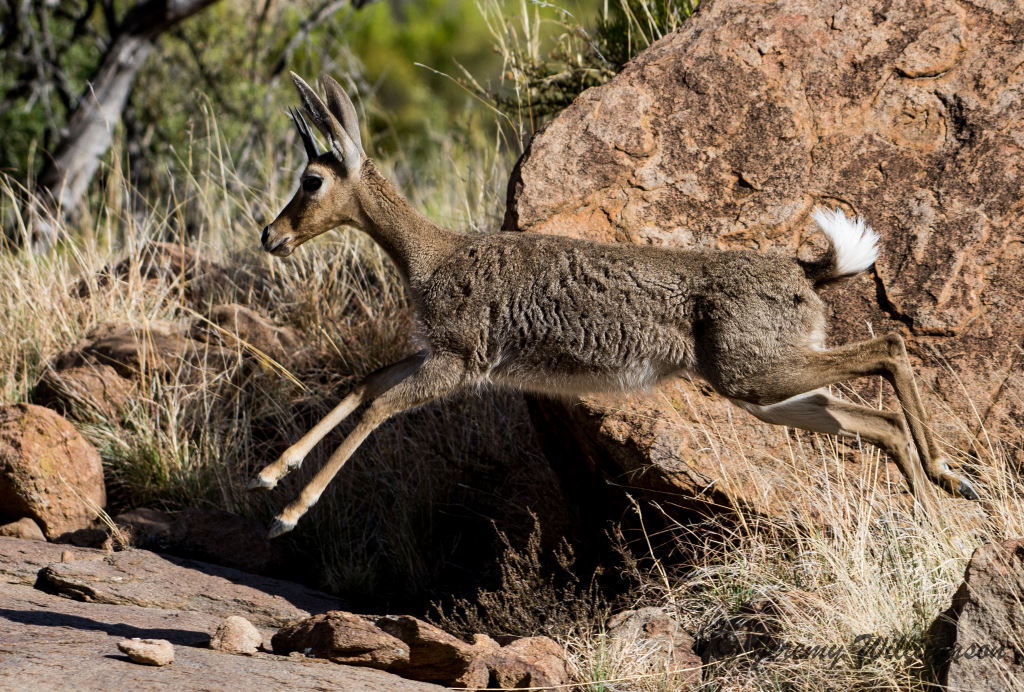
(261, 483)
(290, 515)
(805, 411)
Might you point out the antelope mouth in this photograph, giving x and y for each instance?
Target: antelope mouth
(282, 248)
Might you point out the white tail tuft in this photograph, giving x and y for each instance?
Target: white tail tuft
(854, 243)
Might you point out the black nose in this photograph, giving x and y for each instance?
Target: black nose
(266, 232)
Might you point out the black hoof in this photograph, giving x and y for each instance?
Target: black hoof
(965, 489)
(279, 527)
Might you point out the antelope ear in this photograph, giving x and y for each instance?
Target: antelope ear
(342, 108)
(341, 144)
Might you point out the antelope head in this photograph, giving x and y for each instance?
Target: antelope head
(328, 194)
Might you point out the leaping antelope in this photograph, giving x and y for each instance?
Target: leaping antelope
(560, 316)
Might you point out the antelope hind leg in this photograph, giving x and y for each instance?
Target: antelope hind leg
(885, 356)
(820, 412)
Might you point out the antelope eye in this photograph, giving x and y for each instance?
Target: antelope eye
(312, 184)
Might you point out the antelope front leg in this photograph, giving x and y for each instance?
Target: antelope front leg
(438, 377)
(373, 385)
(292, 457)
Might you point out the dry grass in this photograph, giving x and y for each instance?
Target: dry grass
(848, 556)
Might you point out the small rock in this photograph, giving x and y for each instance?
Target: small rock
(343, 638)
(655, 635)
(236, 635)
(23, 528)
(434, 655)
(150, 652)
(66, 556)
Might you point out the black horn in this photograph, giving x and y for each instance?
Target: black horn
(308, 142)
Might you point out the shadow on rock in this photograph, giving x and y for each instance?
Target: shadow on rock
(51, 619)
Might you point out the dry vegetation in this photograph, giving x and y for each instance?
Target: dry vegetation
(421, 505)
(852, 558)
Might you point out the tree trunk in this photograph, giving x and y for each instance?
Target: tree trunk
(89, 131)
(66, 175)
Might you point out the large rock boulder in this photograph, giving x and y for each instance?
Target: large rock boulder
(976, 645)
(727, 134)
(48, 471)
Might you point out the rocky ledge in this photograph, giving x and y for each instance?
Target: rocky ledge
(65, 610)
(143, 620)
